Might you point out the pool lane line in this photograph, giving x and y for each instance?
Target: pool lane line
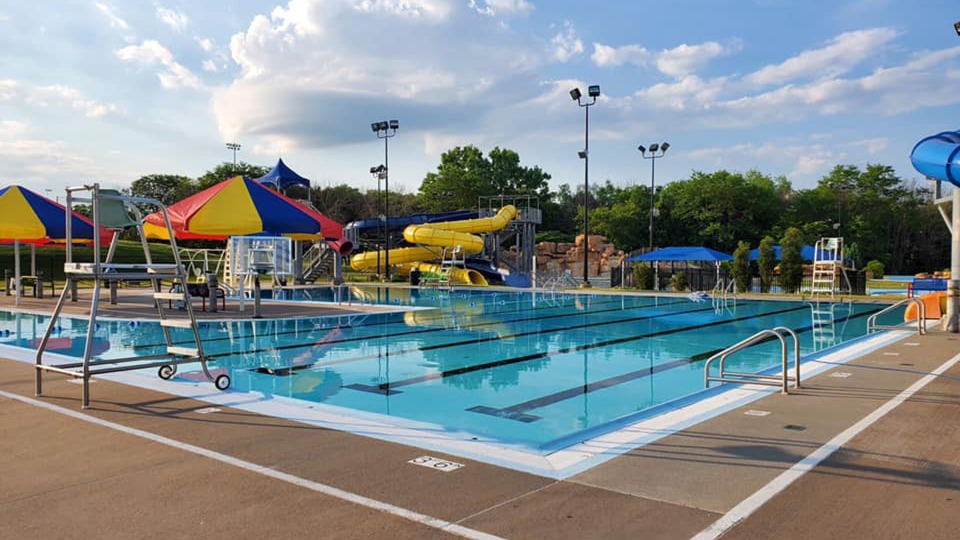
(324, 489)
(751, 504)
(475, 341)
(520, 411)
(440, 316)
(387, 388)
(445, 345)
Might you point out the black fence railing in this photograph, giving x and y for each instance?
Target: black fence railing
(705, 279)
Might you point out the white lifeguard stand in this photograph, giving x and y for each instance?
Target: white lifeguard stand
(829, 272)
(253, 257)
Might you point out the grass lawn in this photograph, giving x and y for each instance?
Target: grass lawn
(50, 259)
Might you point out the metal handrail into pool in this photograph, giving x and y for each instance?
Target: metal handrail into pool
(782, 380)
(872, 325)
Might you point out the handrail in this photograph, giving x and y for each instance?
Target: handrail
(781, 380)
(921, 316)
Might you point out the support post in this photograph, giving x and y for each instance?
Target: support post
(951, 322)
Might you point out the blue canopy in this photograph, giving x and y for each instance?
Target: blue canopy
(282, 177)
(682, 254)
(806, 253)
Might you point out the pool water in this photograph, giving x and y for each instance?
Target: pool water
(521, 368)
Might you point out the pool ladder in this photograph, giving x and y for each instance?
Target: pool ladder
(782, 380)
(872, 325)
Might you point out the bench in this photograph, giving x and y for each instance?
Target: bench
(202, 291)
(926, 285)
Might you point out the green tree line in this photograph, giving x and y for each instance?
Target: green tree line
(879, 215)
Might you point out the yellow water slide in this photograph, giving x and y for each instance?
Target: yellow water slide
(431, 238)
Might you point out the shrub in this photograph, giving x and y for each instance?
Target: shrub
(767, 262)
(791, 262)
(741, 266)
(643, 277)
(875, 267)
(679, 281)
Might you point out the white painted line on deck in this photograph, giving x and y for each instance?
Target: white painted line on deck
(388, 508)
(750, 505)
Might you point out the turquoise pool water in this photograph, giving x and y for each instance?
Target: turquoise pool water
(517, 367)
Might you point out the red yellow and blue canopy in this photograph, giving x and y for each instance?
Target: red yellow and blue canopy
(241, 206)
(31, 218)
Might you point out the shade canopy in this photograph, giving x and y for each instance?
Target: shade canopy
(31, 218)
(685, 253)
(282, 177)
(806, 253)
(239, 207)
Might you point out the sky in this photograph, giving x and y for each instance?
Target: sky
(108, 91)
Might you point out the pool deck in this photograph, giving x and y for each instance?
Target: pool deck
(140, 463)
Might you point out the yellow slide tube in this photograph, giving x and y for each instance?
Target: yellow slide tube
(433, 237)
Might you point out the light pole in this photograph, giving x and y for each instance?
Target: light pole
(379, 172)
(386, 130)
(652, 153)
(593, 91)
(234, 146)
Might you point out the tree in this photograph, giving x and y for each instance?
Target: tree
(741, 266)
(341, 203)
(767, 263)
(464, 175)
(227, 170)
(621, 215)
(791, 262)
(719, 208)
(166, 188)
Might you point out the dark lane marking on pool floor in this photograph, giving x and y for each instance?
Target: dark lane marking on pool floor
(520, 411)
(388, 387)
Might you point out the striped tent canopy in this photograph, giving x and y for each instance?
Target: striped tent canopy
(240, 207)
(31, 218)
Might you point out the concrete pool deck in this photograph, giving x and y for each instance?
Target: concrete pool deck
(147, 464)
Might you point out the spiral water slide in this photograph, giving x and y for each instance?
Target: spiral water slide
(431, 238)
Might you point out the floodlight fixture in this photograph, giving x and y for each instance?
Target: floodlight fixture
(956, 26)
(394, 124)
(664, 146)
(385, 130)
(642, 148)
(582, 154)
(575, 94)
(654, 147)
(594, 90)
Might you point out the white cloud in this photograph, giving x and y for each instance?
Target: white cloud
(40, 162)
(8, 89)
(205, 43)
(59, 95)
(112, 18)
(428, 9)
(607, 56)
(566, 44)
(502, 7)
(172, 75)
(686, 59)
(839, 56)
(305, 56)
(12, 128)
(174, 19)
(679, 61)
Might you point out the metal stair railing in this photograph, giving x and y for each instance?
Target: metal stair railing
(782, 380)
(872, 325)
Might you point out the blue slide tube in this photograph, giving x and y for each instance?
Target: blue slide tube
(938, 157)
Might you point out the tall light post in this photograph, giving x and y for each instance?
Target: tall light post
(234, 146)
(652, 153)
(593, 91)
(386, 130)
(379, 172)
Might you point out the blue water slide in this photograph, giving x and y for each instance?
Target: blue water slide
(938, 157)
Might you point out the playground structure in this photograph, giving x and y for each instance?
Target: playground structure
(441, 245)
(938, 158)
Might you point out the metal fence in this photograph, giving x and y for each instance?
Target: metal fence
(705, 279)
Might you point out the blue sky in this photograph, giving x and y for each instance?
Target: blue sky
(112, 90)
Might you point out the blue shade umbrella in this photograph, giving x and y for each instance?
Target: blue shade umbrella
(806, 253)
(282, 177)
(686, 253)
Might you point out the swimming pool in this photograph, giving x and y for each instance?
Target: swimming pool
(533, 370)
